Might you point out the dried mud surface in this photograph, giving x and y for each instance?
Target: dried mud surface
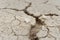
(29, 20)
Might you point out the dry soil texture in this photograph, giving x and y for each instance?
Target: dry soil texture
(29, 19)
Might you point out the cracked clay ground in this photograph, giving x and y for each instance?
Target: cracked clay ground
(29, 19)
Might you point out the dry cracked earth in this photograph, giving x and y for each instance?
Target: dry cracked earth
(29, 19)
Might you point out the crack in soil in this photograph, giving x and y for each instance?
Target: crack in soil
(39, 22)
(51, 14)
(33, 29)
